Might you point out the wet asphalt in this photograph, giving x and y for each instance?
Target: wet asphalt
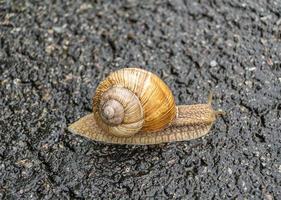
(53, 54)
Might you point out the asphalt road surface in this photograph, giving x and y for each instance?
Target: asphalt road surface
(53, 54)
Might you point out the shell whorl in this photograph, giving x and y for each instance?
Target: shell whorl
(154, 106)
(120, 112)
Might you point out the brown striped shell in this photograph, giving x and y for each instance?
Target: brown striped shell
(133, 100)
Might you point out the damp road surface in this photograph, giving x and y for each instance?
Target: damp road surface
(53, 54)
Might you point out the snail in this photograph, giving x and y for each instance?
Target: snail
(134, 106)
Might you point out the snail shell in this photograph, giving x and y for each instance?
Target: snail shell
(134, 106)
(132, 100)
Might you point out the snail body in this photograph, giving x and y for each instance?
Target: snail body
(134, 106)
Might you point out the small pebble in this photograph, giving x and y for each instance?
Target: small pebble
(213, 63)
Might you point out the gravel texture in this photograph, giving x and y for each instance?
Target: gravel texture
(54, 53)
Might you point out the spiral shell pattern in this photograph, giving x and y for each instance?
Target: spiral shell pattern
(120, 112)
(148, 103)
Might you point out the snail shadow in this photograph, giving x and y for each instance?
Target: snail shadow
(119, 154)
(123, 161)
(123, 152)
